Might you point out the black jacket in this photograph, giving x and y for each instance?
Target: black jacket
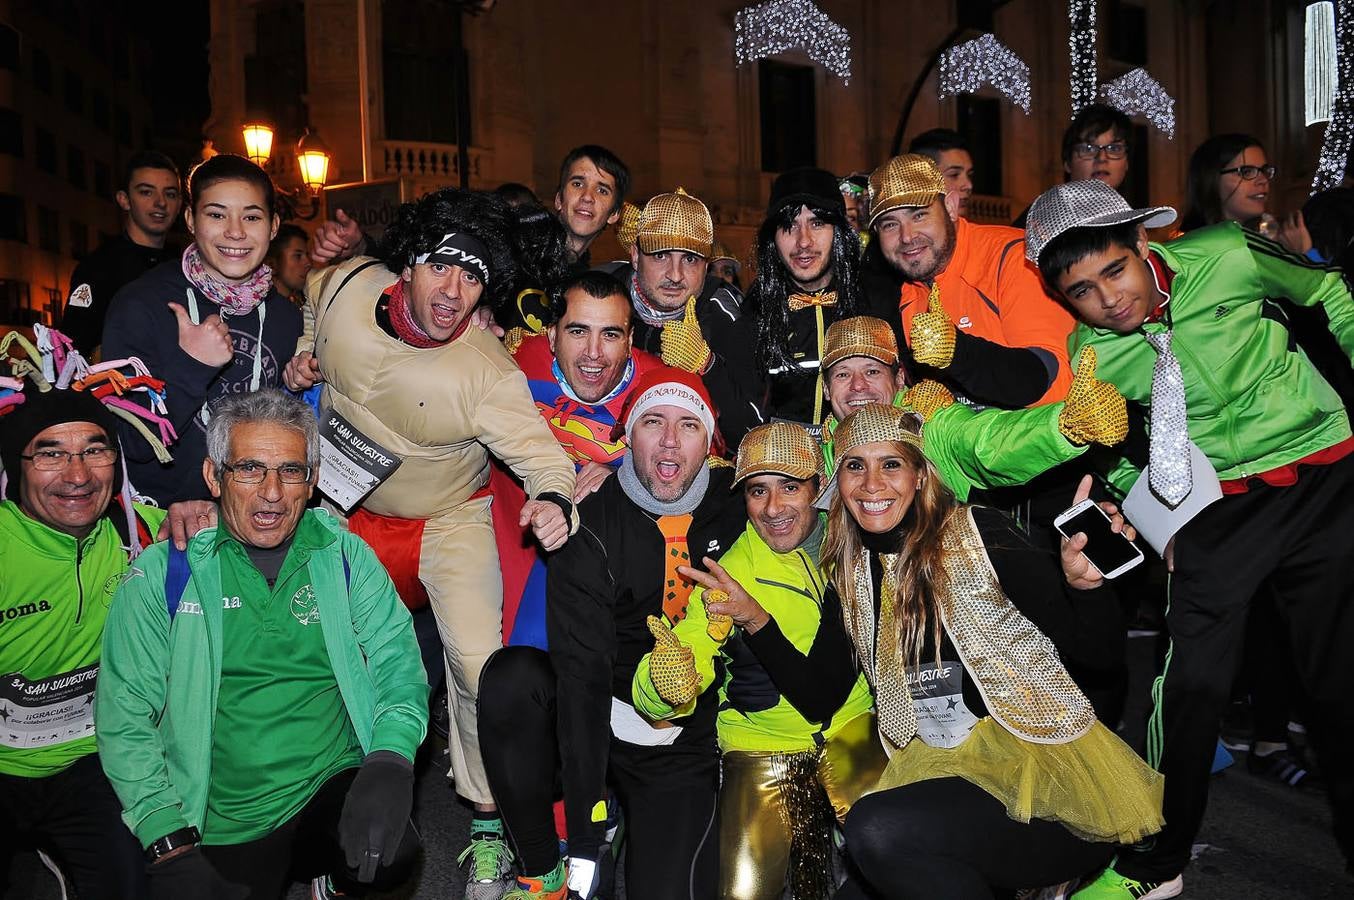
(99, 276)
(140, 323)
(600, 587)
(735, 385)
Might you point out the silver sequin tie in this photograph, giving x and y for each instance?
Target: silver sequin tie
(1168, 450)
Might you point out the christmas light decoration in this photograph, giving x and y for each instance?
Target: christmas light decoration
(1330, 166)
(1081, 50)
(1139, 94)
(966, 67)
(1320, 75)
(775, 26)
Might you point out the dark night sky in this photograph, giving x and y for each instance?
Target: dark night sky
(177, 35)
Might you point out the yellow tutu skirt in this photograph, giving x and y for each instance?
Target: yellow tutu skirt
(1095, 786)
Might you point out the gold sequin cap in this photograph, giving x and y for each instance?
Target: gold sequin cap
(676, 221)
(860, 336)
(875, 422)
(780, 448)
(907, 180)
(628, 226)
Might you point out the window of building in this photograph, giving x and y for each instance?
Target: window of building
(75, 168)
(1125, 30)
(9, 48)
(42, 71)
(103, 179)
(44, 150)
(11, 133)
(75, 92)
(14, 305)
(79, 239)
(49, 230)
(275, 75)
(13, 219)
(426, 93)
(788, 116)
(99, 110)
(979, 121)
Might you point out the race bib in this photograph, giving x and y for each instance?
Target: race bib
(47, 712)
(943, 720)
(351, 464)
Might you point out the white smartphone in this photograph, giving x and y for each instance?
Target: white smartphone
(1111, 553)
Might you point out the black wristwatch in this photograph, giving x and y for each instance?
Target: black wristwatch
(161, 847)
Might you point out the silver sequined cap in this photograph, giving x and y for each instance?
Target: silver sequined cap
(1083, 204)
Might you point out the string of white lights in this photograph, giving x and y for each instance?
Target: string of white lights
(765, 29)
(1139, 94)
(1320, 76)
(966, 67)
(1330, 166)
(1081, 51)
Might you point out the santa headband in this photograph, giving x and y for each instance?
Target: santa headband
(458, 249)
(664, 386)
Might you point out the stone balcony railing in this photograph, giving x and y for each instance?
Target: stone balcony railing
(986, 210)
(422, 161)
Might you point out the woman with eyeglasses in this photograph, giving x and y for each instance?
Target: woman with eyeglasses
(1000, 777)
(1228, 181)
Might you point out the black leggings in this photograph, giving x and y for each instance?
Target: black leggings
(947, 838)
(666, 793)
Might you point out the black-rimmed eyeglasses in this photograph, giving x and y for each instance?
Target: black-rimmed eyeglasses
(1248, 173)
(1112, 150)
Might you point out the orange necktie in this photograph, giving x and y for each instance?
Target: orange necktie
(676, 589)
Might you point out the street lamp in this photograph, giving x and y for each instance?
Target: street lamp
(312, 157)
(258, 142)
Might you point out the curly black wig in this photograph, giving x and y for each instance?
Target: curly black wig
(767, 295)
(522, 247)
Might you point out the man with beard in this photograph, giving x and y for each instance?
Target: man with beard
(973, 309)
(685, 315)
(568, 715)
(410, 375)
(807, 262)
(580, 373)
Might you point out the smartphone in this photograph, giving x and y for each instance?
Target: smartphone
(1112, 554)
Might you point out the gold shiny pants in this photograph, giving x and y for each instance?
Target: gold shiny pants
(761, 812)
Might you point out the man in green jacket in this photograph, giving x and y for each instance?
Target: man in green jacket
(61, 558)
(991, 448)
(264, 695)
(1188, 330)
(794, 725)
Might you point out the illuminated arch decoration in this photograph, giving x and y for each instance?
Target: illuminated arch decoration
(1330, 166)
(1081, 52)
(766, 29)
(966, 67)
(1139, 94)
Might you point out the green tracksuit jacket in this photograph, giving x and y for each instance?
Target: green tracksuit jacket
(989, 448)
(157, 693)
(1254, 401)
(54, 597)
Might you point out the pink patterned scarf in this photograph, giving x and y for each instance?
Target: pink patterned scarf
(234, 299)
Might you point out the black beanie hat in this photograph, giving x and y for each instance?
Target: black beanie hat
(806, 187)
(40, 411)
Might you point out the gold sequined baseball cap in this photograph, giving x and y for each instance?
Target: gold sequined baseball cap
(907, 180)
(871, 423)
(860, 336)
(779, 448)
(719, 251)
(675, 221)
(628, 226)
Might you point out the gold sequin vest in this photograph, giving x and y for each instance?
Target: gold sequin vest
(1014, 665)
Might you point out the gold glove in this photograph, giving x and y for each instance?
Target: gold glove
(1094, 411)
(933, 334)
(718, 625)
(514, 338)
(927, 397)
(672, 667)
(683, 345)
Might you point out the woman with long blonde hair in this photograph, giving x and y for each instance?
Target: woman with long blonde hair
(1000, 776)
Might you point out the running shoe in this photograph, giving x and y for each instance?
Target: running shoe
(323, 889)
(534, 889)
(1113, 886)
(1286, 766)
(490, 867)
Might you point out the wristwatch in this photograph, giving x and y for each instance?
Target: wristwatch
(161, 847)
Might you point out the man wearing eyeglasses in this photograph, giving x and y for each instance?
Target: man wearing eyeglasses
(263, 694)
(61, 557)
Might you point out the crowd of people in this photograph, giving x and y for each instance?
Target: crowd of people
(756, 593)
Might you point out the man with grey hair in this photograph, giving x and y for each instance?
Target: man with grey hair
(271, 731)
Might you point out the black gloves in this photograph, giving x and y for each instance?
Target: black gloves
(376, 812)
(186, 875)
